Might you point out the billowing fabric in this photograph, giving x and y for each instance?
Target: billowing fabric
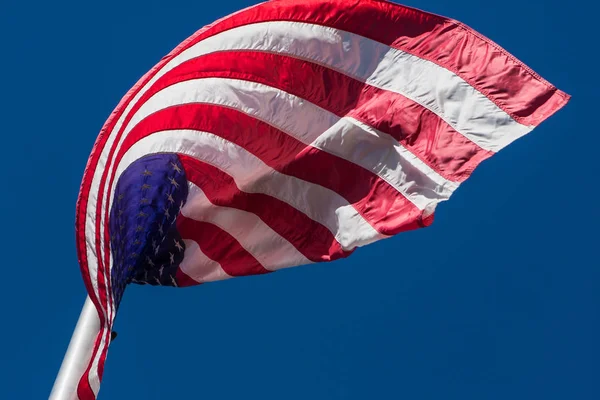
(290, 133)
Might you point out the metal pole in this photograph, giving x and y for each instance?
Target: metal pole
(78, 354)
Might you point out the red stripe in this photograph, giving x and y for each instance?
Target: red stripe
(84, 391)
(220, 246)
(418, 129)
(312, 239)
(384, 207)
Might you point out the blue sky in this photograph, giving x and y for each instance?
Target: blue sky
(497, 299)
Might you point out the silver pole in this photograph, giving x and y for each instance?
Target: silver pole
(78, 354)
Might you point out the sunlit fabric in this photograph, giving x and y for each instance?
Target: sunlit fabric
(291, 133)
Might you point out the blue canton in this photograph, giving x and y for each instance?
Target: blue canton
(146, 246)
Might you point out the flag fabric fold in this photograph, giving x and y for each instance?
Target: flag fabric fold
(291, 133)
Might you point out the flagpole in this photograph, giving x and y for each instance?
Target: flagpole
(78, 354)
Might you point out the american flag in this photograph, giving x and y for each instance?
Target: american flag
(290, 133)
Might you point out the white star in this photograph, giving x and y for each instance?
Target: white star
(176, 167)
(172, 256)
(178, 245)
(157, 281)
(147, 173)
(149, 261)
(170, 198)
(167, 214)
(173, 182)
(173, 280)
(160, 229)
(161, 269)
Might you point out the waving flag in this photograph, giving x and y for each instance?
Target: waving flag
(290, 133)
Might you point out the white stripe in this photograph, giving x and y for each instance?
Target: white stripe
(251, 175)
(346, 138)
(270, 249)
(198, 266)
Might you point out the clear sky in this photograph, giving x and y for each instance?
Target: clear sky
(498, 299)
